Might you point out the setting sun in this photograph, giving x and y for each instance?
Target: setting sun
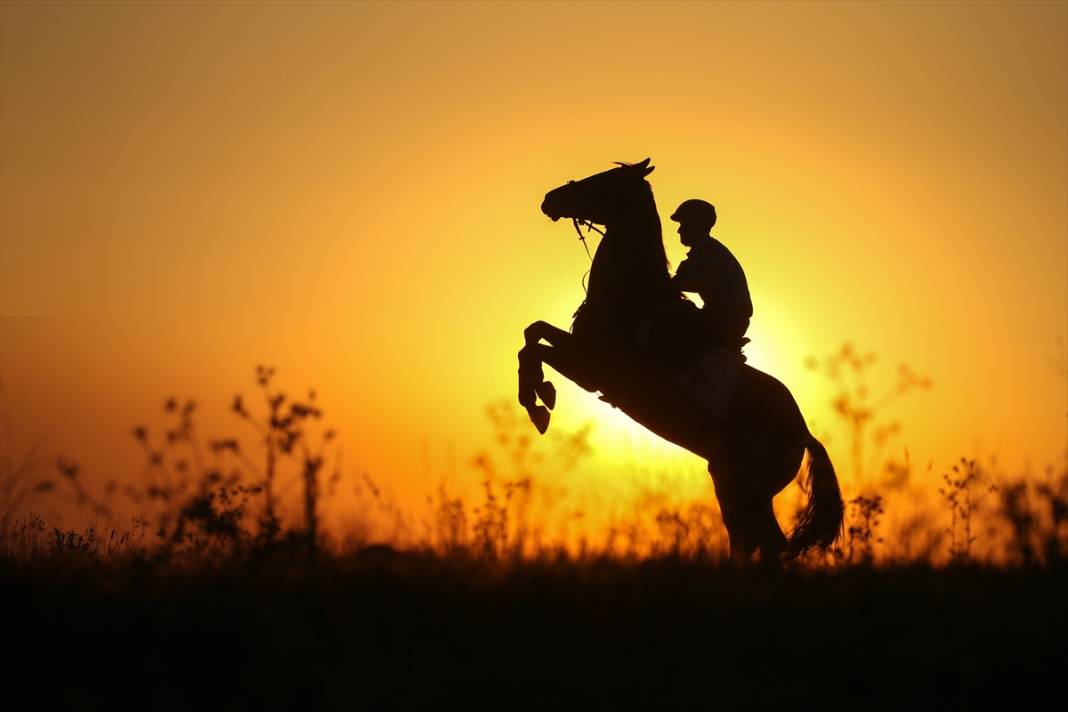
(311, 396)
(190, 190)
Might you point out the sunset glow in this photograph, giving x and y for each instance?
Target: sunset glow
(350, 192)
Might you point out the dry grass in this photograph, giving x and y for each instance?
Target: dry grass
(228, 588)
(228, 497)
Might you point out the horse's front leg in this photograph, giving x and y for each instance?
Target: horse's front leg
(543, 330)
(534, 334)
(531, 378)
(532, 383)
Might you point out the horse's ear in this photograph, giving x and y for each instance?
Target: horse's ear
(644, 168)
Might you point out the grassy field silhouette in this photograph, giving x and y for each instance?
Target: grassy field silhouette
(224, 589)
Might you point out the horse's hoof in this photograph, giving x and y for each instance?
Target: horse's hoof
(539, 415)
(547, 393)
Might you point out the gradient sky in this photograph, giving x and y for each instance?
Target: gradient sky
(350, 193)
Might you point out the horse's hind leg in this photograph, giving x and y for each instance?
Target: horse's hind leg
(733, 509)
(739, 534)
(747, 513)
(751, 527)
(768, 471)
(770, 539)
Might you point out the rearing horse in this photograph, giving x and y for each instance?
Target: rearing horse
(753, 453)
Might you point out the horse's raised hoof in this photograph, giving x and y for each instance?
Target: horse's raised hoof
(539, 415)
(547, 393)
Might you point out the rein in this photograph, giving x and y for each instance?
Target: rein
(582, 238)
(588, 224)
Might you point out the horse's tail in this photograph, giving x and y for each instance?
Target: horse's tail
(820, 523)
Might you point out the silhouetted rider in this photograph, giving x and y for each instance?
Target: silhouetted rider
(712, 271)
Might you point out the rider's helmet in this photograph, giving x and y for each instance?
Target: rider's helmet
(697, 212)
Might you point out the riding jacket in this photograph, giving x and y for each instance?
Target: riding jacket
(713, 272)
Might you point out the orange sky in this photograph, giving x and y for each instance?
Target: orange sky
(350, 192)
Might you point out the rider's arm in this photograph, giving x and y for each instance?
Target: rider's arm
(686, 277)
(696, 274)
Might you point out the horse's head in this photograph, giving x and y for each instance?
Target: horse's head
(602, 197)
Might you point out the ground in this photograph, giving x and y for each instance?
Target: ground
(381, 629)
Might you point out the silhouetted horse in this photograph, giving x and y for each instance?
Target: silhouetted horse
(754, 452)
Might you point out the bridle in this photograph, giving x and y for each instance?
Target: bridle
(588, 224)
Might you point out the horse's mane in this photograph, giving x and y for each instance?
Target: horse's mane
(647, 250)
(656, 228)
(642, 260)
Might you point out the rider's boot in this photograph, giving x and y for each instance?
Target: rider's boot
(547, 392)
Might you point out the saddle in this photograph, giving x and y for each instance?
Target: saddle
(697, 362)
